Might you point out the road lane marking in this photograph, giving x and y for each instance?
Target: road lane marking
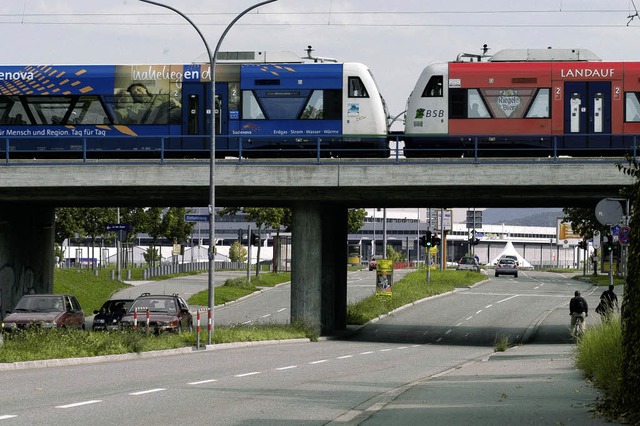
(508, 298)
(478, 311)
(468, 318)
(366, 353)
(345, 357)
(287, 368)
(266, 316)
(318, 362)
(280, 310)
(7, 416)
(253, 373)
(448, 332)
(201, 382)
(78, 404)
(386, 350)
(439, 339)
(488, 306)
(458, 324)
(144, 392)
(402, 347)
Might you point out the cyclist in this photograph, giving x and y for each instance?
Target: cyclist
(579, 310)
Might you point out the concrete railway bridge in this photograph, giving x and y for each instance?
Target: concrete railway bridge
(319, 194)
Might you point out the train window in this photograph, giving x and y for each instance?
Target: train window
(250, 108)
(12, 111)
(150, 109)
(314, 109)
(323, 105)
(356, 88)
(540, 105)
(475, 105)
(632, 105)
(508, 102)
(434, 87)
(282, 104)
(88, 110)
(457, 103)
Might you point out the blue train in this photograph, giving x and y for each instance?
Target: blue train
(267, 105)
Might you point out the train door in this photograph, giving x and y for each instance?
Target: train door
(587, 114)
(196, 116)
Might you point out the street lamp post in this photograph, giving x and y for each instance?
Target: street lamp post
(212, 64)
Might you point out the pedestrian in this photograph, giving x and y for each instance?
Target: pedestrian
(579, 310)
(608, 302)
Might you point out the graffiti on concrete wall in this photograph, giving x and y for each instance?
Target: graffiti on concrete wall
(14, 285)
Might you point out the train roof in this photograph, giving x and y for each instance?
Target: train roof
(544, 55)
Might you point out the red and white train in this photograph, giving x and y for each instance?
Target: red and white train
(525, 103)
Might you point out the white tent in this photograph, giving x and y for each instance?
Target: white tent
(510, 250)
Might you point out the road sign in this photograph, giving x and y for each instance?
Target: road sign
(196, 217)
(624, 234)
(118, 227)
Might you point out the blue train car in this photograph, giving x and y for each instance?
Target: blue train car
(285, 109)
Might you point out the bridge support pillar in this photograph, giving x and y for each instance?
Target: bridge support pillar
(26, 253)
(319, 266)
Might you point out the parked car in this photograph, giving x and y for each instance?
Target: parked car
(468, 263)
(45, 311)
(506, 267)
(373, 264)
(167, 313)
(110, 313)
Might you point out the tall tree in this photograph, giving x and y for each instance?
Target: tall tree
(630, 311)
(94, 223)
(174, 227)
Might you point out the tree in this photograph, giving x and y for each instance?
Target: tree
(174, 227)
(94, 221)
(237, 252)
(355, 219)
(152, 225)
(630, 310)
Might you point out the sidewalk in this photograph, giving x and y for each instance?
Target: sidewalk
(526, 385)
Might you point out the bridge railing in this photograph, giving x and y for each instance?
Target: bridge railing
(466, 148)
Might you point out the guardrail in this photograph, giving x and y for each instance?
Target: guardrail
(161, 149)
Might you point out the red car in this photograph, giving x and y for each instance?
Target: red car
(45, 311)
(167, 313)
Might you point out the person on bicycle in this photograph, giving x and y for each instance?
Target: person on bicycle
(579, 310)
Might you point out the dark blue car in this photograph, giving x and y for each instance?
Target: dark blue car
(110, 314)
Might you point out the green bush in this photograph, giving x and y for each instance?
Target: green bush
(600, 356)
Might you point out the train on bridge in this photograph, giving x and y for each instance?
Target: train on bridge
(515, 103)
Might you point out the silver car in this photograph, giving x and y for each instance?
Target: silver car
(507, 267)
(468, 263)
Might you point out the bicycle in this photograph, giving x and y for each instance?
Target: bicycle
(578, 325)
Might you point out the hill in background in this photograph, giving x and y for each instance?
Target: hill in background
(522, 217)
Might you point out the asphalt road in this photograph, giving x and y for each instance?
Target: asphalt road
(430, 363)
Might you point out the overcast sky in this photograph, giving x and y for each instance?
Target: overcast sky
(395, 39)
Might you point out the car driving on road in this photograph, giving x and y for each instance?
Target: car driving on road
(468, 263)
(506, 266)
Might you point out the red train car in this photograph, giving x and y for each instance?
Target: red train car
(525, 103)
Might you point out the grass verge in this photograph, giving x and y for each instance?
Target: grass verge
(411, 288)
(599, 354)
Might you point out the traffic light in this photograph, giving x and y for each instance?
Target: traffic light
(608, 245)
(474, 241)
(582, 244)
(255, 239)
(427, 239)
(435, 240)
(423, 241)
